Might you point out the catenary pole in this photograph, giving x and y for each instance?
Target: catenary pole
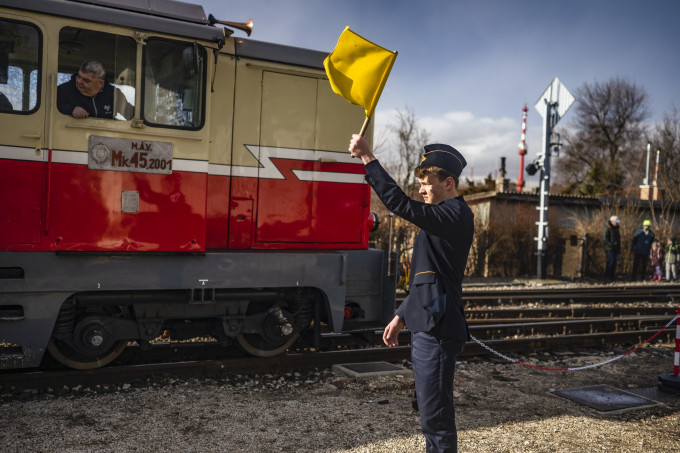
(544, 191)
(552, 105)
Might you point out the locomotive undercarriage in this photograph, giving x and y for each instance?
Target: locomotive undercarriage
(93, 329)
(86, 307)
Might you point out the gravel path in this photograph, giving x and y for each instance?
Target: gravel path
(501, 407)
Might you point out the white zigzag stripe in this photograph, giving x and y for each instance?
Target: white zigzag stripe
(263, 154)
(268, 169)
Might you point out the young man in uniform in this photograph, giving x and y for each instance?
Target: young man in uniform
(433, 310)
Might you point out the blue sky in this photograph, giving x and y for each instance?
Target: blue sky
(467, 67)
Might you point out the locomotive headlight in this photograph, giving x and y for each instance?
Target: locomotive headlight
(375, 220)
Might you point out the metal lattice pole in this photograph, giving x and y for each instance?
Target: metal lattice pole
(542, 223)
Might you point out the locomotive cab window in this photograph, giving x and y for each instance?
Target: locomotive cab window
(174, 84)
(96, 74)
(19, 67)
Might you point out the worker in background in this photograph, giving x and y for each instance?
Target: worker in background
(671, 258)
(640, 246)
(612, 246)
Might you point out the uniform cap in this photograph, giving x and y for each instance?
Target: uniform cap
(444, 156)
(614, 219)
(647, 223)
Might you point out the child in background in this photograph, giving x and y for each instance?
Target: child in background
(671, 258)
(655, 258)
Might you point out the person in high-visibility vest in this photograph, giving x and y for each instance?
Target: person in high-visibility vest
(640, 246)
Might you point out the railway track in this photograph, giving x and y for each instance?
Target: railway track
(476, 297)
(519, 337)
(558, 325)
(57, 380)
(527, 314)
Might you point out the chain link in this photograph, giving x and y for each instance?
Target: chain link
(579, 368)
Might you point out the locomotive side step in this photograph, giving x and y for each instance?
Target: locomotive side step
(10, 313)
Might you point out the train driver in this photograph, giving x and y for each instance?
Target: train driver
(88, 94)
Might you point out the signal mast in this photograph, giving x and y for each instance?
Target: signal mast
(522, 150)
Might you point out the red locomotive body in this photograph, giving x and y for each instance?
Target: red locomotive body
(218, 193)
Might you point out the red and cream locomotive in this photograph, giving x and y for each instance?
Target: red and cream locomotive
(218, 200)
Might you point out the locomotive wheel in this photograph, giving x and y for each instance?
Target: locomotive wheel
(277, 333)
(256, 345)
(89, 342)
(65, 355)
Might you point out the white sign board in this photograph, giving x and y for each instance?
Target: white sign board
(555, 93)
(127, 154)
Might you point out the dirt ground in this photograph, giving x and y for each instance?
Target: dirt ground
(500, 407)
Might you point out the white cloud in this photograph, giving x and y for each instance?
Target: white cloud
(482, 140)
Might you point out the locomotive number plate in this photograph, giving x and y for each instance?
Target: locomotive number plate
(124, 154)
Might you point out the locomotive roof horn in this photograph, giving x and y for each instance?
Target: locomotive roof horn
(243, 26)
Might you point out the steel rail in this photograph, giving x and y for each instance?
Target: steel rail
(201, 369)
(565, 327)
(475, 297)
(562, 342)
(536, 314)
(15, 382)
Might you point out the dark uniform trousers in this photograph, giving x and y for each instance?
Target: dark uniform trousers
(433, 310)
(434, 362)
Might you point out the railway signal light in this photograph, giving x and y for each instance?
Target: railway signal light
(531, 169)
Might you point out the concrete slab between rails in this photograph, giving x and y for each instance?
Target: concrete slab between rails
(607, 400)
(370, 370)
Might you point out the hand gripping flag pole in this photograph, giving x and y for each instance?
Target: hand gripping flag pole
(358, 70)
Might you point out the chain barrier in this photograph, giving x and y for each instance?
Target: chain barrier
(579, 368)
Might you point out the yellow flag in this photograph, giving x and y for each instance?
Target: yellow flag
(358, 70)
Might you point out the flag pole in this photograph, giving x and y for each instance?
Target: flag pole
(363, 131)
(365, 126)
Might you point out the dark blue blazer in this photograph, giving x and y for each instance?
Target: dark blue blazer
(98, 106)
(440, 254)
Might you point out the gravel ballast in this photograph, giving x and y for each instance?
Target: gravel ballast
(500, 407)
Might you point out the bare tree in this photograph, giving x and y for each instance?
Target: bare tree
(666, 138)
(606, 136)
(405, 157)
(400, 161)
